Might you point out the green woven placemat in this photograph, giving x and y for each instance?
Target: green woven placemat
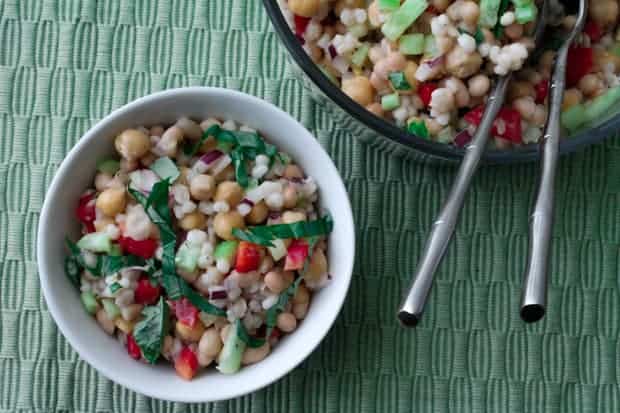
(64, 64)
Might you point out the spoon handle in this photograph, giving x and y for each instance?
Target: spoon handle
(534, 294)
(412, 306)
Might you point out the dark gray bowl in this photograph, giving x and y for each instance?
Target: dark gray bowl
(387, 136)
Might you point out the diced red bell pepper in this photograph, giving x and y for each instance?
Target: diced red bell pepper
(146, 293)
(85, 211)
(248, 257)
(542, 90)
(593, 31)
(186, 364)
(301, 23)
(145, 248)
(579, 63)
(296, 255)
(276, 333)
(507, 125)
(184, 311)
(425, 90)
(132, 348)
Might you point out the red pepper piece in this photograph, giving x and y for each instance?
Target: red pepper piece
(542, 90)
(296, 255)
(186, 364)
(301, 23)
(425, 90)
(579, 63)
(184, 311)
(145, 248)
(593, 31)
(85, 211)
(248, 257)
(132, 348)
(507, 125)
(146, 293)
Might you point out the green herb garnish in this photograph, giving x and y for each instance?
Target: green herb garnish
(149, 332)
(115, 287)
(498, 30)
(399, 81)
(263, 235)
(478, 35)
(418, 128)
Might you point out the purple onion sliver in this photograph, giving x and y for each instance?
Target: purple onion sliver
(274, 215)
(462, 138)
(211, 156)
(301, 39)
(247, 201)
(434, 62)
(332, 51)
(297, 180)
(218, 295)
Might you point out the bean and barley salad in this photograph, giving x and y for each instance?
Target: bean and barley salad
(201, 244)
(428, 65)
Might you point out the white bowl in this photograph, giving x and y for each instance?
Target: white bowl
(76, 174)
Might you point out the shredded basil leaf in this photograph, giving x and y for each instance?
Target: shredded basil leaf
(149, 332)
(156, 206)
(263, 235)
(115, 287)
(498, 30)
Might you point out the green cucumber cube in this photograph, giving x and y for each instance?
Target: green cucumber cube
(89, 301)
(411, 44)
(96, 242)
(165, 168)
(400, 20)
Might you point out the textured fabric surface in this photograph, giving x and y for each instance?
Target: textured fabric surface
(64, 64)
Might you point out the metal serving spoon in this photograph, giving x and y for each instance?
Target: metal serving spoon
(534, 296)
(412, 305)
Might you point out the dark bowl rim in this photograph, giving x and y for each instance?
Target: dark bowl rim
(390, 131)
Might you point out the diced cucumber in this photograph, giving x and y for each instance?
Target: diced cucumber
(488, 13)
(599, 107)
(226, 250)
(165, 168)
(573, 117)
(187, 256)
(390, 102)
(108, 166)
(230, 357)
(526, 14)
(446, 135)
(399, 81)
(115, 250)
(358, 30)
(278, 251)
(430, 46)
(411, 44)
(89, 301)
(522, 3)
(111, 308)
(388, 5)
(359, 57)
(418, 128)
(96, 242)
(400, 20)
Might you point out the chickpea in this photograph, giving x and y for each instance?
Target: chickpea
(166, 348)
(148, 159)
(275, 282)
(131, 312)
(189, 334)
(112, 201)
(202, 187)
(254, 355)
(248, 279)
(258, 214)
(102, 181)
(226, 174)
(540, 115)
(292, 171)
(266, 264)
(470, 12)
(514, 31)
(433, 126)
(348, 4)
(184, 173)
(290, 196)
(525, 106)
(300, 310)
(479, 85)
(572, 97)
(190, 128)
(229, 192)
(359, 89)
(287, 322)
(604, 12)
(374, 14)
(190, 277)
(376, 109)
(124, 325)
(105, 322)
(224, 223)
(305, 8)
(440, 5)
(288, 278)
(590, 84)
(519, 89)
(169, 142)
(381, 84)
(445, 43)
(302, 295)
(102, 223)
(193, 220)
(289, 217)
(409, 72)
(461, 94)
(224, 332)
(210, 343)
(317, 267)
(461, 64)
(604, 59)
(132, 144)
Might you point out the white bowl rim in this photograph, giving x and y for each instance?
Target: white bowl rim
(345, 214)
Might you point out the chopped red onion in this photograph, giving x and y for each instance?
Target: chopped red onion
(300, 39)
(332, 51)
(211, 156)
(435, 62)
(247, 201)
(274, 215)
(218, 295)
(462, 138)
(297, 180)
